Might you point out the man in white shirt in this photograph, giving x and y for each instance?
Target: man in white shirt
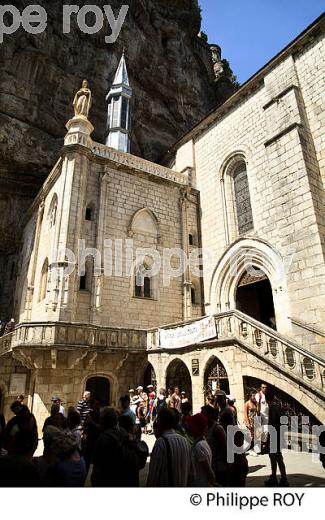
(170, 463)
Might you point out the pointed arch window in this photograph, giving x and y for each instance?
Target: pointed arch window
(85, 279)
(43, 281)
(51, 216)
(237, 207)
(143, 282)
(242, 199)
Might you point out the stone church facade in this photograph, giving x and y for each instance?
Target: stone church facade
(244, 189)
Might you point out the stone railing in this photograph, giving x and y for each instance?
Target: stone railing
(6, 343)
(232, 327)
(275, 349)
(66, 335)
(132, 161)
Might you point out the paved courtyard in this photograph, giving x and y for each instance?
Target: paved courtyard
(302, 470)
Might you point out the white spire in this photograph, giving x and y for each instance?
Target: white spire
(121, 76)
(119, 113)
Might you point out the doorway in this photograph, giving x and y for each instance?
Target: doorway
(100, 390)
(254, 297)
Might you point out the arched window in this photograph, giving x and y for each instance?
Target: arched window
(242, 199)
(143, 282)
(43, 281)
(89, 213)
(195, 291)
(85, 278)
(238, 216)
(51, 216)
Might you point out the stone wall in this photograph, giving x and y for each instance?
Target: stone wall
(276, 125)
(116, 196)
(238, 364)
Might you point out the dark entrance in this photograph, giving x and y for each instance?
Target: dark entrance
(215, 377)
(149, 377)
(254, 297)
(179, 375)
(100, 390)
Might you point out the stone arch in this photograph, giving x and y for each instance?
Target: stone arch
(148, 376)
(242, 254)
(272, 377)
(43, 280)
(144, 221)
(215, 371)
(235, 166)
(144, 270)
(178, 374)
(113, 381)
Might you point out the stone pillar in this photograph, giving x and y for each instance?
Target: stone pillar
(76, 167)
(187, 307)
(33, 263)
(97, 294)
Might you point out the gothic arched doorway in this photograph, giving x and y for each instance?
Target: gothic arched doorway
(215, 377)
(178, 375)
(99, 387)
(149, 377)
(254, 297)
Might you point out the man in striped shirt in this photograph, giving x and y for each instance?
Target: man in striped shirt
(83, 407)
(170, 463)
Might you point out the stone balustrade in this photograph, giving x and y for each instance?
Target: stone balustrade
(66, 335)
(132, 161)
(5, 343)
(232, 326)
(276, 350)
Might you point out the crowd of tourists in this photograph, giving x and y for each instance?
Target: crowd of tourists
(103, 447)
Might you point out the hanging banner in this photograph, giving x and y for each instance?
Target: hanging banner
(188, 334)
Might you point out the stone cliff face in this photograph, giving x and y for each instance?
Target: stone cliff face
(171, 74)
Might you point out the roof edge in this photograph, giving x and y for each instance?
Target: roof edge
(249, 84)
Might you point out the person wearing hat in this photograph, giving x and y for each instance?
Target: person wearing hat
(203, 475)
(184, 397)
(141, 412)
(70, 470)
(151, 412)
(134, 399)
(56, 400)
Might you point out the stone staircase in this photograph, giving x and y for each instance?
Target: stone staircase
(276, 350)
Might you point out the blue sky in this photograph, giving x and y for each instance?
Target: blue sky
(251, 32)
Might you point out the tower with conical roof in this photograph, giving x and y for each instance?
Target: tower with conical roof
(119, 112)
